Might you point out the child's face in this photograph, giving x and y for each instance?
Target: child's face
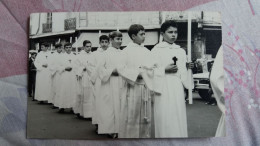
(116, 42)
(59, 49)
(68, 49)
(43, 48)
(139, 37)
(87, 48)
(104, 44)
(170, 35)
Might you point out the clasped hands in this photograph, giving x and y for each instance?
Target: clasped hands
(171, 68)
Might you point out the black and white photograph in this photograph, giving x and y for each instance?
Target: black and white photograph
(112, 75)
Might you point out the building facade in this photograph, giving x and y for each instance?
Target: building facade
(75, 27)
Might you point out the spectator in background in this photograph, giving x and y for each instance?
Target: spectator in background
(32, 75)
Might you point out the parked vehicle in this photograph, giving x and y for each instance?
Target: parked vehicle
(202, 82)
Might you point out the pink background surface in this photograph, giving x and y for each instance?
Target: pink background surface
(241, 35)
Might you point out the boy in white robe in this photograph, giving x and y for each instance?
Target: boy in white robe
(136, 108)
(55, 67)
(67, 93)
(217, 83)
(43, 75)
(104, 42)
(111, 86)
(84, 105)
(171, 77)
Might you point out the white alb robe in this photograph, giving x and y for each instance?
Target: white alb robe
(217, 84)
(84, 103)
(110, 91)
(56, 68)
(169, 108)
(98, 55)
(43, 77)
(67, 93)
(136, 107)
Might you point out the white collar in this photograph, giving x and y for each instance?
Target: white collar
(100, 49)
(132, 44)
(167, 45)
(113, 49)
(84, 52)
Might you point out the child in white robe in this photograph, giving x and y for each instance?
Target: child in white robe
(84, 103)
(171, 75)
(66, 97)
(55, 68)
(98, 55)
(136, 107)
(111, 86)
(43, 75)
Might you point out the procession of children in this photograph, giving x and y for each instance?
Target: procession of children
(129, 93)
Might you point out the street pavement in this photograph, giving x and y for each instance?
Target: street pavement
(202, 118)
(45, 122)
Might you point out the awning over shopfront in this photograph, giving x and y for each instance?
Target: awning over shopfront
(52, 34)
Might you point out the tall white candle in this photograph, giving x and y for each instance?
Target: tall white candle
(189, 58)
(99, 33)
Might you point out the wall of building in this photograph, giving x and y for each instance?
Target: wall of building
(57, 21)
(89, 24)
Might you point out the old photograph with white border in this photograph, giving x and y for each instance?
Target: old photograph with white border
(112, 75)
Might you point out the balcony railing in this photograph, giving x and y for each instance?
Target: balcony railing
(46, 27)
(70, 24)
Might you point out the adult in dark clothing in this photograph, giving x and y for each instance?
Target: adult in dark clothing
(32, 75)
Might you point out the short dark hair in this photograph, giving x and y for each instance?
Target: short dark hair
(86, 42)
(103, 37)
(67, 44)
(33, 53)
(45, 44)
(114, 34)
(167, 24)
(58, 45)
(134, 29)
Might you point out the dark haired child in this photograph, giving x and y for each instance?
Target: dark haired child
(66, 96)
(171, 76)
(98, 55)
(55, 67)
(135, 116)
(111, 86)
(43, 75)
(85, 65)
